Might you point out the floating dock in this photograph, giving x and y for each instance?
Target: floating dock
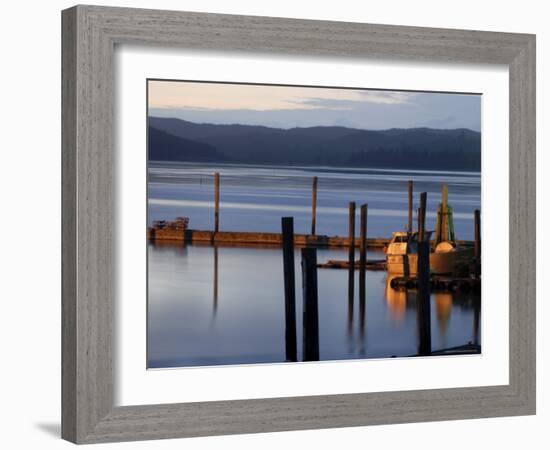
(439, 283)
(259, 238)
(379, 264)
(255, 238)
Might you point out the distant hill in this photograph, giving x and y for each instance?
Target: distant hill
(418, 148)
(167, 147)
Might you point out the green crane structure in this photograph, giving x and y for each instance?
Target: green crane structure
(444, 226)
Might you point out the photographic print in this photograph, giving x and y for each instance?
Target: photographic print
(298, 223)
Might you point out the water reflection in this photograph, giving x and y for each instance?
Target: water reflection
(397, 300)
(225, 305)
(477, 316)
(443, 309)
(215, 290)
(444, 306)
(351, 298)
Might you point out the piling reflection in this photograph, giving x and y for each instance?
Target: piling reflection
(443, 307)
(356, 342)
(215, 282)
(362, 313)
(477, 314)
(396, 301)
(362, 303)
(351, 298)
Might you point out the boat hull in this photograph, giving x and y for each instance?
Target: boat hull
(440, 263)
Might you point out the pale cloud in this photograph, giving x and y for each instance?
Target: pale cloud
(218, 96)
(363, 97)
(387, 97)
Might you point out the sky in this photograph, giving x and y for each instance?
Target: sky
(294, 106)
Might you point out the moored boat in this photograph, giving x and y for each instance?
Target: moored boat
(445, 258)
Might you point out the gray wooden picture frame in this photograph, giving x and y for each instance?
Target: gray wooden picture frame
(90, 34)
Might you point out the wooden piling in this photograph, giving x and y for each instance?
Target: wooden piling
(351, 233)
(215, 293)
(363, 238)
(422, 216)
(423, 284)
(310, 305)
(351, 261)
(410, 223)
(313, 205)
(477, 241)
(216, 202)
(423, 299)
(291, 345)
(362, 266)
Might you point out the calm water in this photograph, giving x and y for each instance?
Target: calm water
(254, 198)
(225, 305)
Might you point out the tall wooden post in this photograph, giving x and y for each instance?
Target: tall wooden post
(423, 299)
(363, 238)
(313, 205)
(422, 216)
(311, 313)
(351, 262)
(216, 202)
(362, 267)
(351, 233)
(291, 350)
(477, 241)
(423, 284)
(410, 223)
